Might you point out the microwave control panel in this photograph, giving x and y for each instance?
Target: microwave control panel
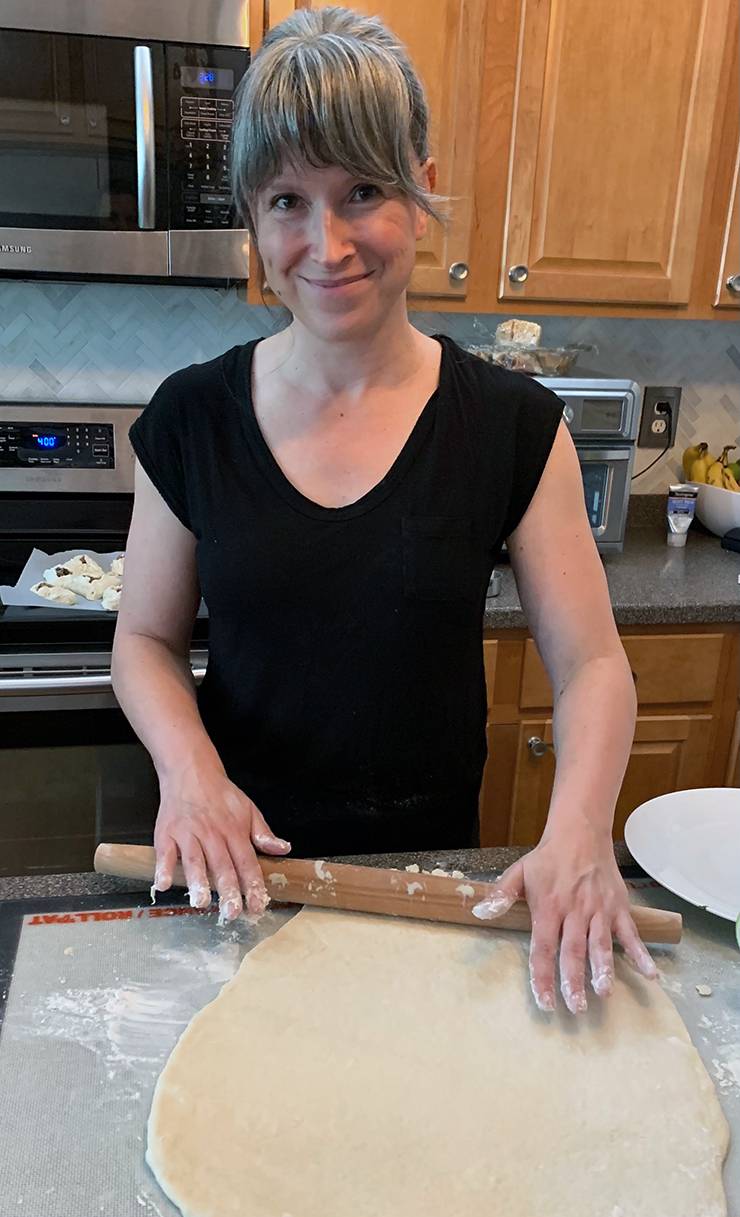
(56, 445)
(201, 82)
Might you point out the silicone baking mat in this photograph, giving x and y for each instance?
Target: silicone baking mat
(97, 1001)
(98, 997)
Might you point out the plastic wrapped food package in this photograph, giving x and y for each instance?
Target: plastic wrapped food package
(535, 361)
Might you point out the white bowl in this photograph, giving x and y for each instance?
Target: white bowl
(718, 509)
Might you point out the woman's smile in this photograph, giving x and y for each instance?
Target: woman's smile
(339, 285)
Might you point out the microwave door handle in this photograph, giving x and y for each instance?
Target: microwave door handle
(144, 105)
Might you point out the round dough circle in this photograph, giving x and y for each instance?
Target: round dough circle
(361, 1066)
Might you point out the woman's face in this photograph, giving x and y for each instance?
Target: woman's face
(337, 251)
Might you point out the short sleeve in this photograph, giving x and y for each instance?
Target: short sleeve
(538, 416)
(157, 438)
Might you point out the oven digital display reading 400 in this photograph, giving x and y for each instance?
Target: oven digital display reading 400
(33, 439)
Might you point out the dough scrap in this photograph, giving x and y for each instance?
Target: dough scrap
(362, 1066)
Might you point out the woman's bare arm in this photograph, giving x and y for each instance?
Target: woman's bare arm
(202, 816)
(571, 881)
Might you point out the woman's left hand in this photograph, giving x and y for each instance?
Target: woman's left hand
(577, 897)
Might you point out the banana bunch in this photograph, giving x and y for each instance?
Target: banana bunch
(700, 466)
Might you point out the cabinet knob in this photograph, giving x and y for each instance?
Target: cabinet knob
(459, 272)
(733, 285)
(537, 746)
(518, 274)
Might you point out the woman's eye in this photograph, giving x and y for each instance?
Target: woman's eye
(284, 202)
(366, 192)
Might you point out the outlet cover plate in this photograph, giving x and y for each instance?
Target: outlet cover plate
(657, 429)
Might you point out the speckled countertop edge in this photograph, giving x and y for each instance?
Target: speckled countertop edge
(650, 584)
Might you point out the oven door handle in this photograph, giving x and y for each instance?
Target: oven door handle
(144, 107)
(84, 683)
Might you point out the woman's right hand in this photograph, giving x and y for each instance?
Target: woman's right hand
(216, 829)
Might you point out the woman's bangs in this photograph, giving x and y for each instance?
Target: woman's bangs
(332, 127)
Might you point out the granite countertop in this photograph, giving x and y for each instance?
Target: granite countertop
(650, 584)
(87, 883)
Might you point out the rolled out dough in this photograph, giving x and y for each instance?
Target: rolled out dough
(360, 1066)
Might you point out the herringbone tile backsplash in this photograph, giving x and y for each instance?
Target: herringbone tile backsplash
(116, 342)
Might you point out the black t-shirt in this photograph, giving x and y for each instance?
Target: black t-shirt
(345, 691)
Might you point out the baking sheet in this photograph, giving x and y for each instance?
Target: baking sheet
(98, 999)
(33, 572)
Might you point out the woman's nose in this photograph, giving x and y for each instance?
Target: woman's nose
(330, 241)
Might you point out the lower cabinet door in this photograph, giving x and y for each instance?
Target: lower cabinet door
(670, 752)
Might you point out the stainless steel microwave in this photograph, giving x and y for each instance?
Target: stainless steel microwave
(115, 120)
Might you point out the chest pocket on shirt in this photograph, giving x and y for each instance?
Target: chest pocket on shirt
(438, 558)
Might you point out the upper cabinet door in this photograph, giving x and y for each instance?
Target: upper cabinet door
(613, 115)
(445, 39)
(728, 284)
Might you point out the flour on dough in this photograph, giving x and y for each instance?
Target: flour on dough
(362, 1066)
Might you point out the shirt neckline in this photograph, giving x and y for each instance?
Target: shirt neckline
(269, 466)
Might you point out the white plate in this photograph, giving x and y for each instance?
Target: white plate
(690, 842)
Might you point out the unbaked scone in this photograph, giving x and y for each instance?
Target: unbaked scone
(62, 595)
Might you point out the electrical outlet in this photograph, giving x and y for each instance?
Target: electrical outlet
(659, 421)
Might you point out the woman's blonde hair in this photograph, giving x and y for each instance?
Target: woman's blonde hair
(330, 87)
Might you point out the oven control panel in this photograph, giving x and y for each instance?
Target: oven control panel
(596, 409)
(67, 445)
(67, 448)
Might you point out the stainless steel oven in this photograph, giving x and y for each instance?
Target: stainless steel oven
(71, 770)
(603, 416)
(115, 120)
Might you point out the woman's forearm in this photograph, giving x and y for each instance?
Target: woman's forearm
(155, 689)
(593, 729)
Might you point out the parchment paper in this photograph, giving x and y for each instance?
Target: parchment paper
(33, 572)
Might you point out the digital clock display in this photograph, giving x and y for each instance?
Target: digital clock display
(206, 77)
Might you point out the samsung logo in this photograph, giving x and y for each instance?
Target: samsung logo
(14, 249)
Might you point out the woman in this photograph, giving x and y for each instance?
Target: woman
(339, 493)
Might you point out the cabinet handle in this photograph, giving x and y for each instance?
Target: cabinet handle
(733, 285)
(459, 272)
(518, 274)
(538, 747)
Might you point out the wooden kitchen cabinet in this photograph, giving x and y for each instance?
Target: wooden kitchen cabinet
(670, 752)
(677, 668)
(727, 295)
(610, 149)
(687, 732)
(607, 140)
(725, 202)
(733, 763)
(446, 39)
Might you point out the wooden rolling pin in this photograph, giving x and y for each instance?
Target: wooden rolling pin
(368, 889)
